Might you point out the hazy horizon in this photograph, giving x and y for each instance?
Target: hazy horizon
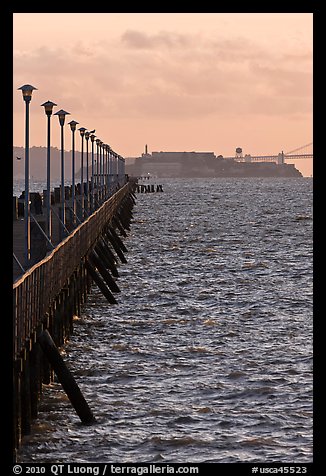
(38, 162)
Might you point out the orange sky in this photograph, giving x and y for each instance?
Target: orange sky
(174, 81)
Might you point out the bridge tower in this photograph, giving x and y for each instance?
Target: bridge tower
(280, 158)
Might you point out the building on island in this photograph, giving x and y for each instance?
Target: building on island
(206, 164)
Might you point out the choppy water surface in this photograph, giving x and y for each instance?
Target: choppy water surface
(208, 356)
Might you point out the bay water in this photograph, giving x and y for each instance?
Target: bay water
(207, 357)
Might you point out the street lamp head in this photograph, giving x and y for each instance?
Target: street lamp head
(86, 135)
(73, 125)
(98, 141)
(48, 107)
(82, 131)
(92, 136)
(27, 91)
(61, 114)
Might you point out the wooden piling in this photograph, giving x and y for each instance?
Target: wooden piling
(117, 239)
(115, 245)
(35, 378)
(95, 260)
(17, 395)
(100, 283)
(124, 214)
(26, 398)
(133, 196)
(107, 256)
(118, 225)
(66, 378)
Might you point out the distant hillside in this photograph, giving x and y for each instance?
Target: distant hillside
(37, 163)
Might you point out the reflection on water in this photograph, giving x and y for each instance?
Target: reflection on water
(208, 355)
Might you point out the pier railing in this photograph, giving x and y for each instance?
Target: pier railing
(35, 290)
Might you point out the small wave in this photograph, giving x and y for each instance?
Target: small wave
(198, 349)
(303, 217)
(226, 423)
(259, 441)
(171, 320)
(118, 403)
(237, 374)
(255, 265)
(120, 347)
(184, 282)
(177, 441)
(204, 410)
(251, 392)
(210, 322)
(248, 254)
(230, 334)
(183, 420)
(265, 390)
(158, 457)
(120, 377)
(174, 248)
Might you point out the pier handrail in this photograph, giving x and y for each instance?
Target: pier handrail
(36, 289)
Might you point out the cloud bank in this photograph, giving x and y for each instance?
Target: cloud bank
(169, 74)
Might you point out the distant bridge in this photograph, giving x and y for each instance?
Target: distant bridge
(307, 153)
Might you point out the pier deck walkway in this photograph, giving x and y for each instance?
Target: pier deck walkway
(48, 295)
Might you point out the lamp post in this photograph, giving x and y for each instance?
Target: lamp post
(62, 115)
(92, 178)
(106, 171)
(112, 171)
(98, 141)
(87, 174)
(27, 91)
(82, 134)
(73, 125)
(48, 109)
(101, 169)
(119, 169)
(123, 170)
(109, 170)
(115, 168)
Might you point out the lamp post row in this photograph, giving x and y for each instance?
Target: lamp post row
(108, 164)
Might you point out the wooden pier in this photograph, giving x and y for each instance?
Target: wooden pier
(48, 295)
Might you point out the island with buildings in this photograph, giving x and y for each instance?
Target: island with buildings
(207, 164)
